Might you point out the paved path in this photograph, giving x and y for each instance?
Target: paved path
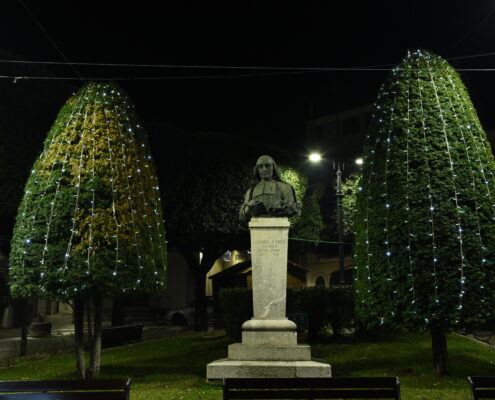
(62, 337)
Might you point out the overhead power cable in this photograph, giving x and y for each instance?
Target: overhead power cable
(184, 66)
(186, 77)
(471, 56)
(67, 62)
(151, 78)
(379, 67)
(319, 241)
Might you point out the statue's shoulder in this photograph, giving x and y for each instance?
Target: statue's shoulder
(254, 186)
(287, 189)
(250, 191)
(284, 185)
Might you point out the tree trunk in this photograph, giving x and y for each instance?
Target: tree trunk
(200, 313)
(199, 270)
(95, 355)
(79, 336)
(439, 348)
(24, 333)
(88, 320)
(210, 255)
(26, 320)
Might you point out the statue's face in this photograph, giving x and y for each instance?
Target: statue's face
(265, 168)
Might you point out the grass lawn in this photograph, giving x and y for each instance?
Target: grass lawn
(174, 367)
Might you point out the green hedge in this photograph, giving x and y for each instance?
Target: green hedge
(236, 306)
(325, 306)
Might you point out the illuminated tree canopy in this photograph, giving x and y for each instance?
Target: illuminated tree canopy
(90, 221)
(425, 225)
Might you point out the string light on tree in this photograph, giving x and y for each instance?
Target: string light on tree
(90, 223)
(426, 208)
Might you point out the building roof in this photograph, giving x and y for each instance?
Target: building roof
(246, 267)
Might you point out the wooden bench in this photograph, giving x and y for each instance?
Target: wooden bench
(116, 335)
(311, 388)
(482, 387)
(83, 389)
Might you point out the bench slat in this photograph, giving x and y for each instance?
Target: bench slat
(482, 381)
(65, 396)
(313, 394)
(69, 384)
(311, 388)
(99, 389)
(246, 383)
(484, 393)
(487, 383)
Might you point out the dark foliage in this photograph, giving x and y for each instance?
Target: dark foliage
(323, 306)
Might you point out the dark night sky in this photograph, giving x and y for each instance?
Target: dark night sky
(252, 33)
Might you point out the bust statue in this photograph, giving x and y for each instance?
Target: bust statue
(270, 197)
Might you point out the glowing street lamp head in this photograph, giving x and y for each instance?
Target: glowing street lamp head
(359, 161)
(314, 157)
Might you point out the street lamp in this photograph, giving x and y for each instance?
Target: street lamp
(315, 157)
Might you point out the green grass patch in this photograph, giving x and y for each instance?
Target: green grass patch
(175, 367)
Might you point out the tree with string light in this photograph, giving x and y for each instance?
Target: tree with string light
(90, 223)
(425, 226)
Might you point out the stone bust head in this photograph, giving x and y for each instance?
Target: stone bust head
(266, 169)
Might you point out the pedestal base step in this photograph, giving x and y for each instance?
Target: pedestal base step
(269, 338)
(243, 352)
(225, 368)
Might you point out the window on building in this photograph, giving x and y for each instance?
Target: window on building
(227, 256)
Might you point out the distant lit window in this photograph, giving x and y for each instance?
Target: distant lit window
(320, 281)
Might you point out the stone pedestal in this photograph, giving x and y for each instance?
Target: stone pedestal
(269, 340)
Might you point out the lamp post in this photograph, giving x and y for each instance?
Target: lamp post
(340, 223)
(338, 167)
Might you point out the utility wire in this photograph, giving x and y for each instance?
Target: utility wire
(465, 57)
(51, 40)
(474, 31)
(183, 66)
(378, 67)
(478, 28)
(156, 78)
(318, 241)
(176, 78)
(208, 67)
(282, 70)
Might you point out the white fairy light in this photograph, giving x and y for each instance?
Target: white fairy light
(385, 184)
(141, 163)
(454, 186)
(430, 197)
(46, 182)
(137, 160)
(78, 185)
(409, 254)
(57, 189)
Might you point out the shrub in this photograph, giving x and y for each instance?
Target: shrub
(341, 310)
(236, 307)
(324, 306)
